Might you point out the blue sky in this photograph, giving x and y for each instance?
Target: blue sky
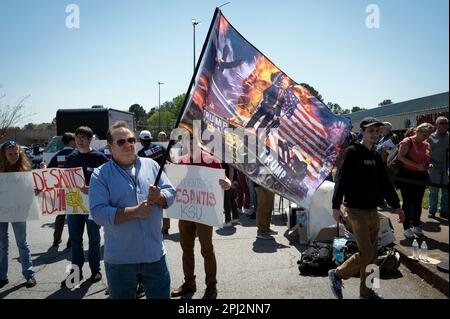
(123, 48)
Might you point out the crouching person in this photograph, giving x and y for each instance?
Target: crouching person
(123, 200)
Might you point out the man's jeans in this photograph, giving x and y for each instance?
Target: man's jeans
(76, 229)
(438, 176)
(20, 232)
(122, 279)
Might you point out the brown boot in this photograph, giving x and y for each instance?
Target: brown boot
(184, 289)
(210, 293)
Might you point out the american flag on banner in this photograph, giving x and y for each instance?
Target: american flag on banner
(236, 88)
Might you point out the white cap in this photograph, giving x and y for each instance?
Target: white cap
(145, 135)
(387, 124)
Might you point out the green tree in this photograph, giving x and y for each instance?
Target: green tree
(385, 102)
(313, 91)
(335, 108)
(167, 120)
(357, 109)
(140, 115)
(178, 104)
(29, 126)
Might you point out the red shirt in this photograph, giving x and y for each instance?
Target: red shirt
(419, 152)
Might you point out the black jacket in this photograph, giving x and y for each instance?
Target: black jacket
(362, 181)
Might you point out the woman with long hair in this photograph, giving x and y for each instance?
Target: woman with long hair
(13, 159)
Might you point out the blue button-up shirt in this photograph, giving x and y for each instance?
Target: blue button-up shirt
(111, 187)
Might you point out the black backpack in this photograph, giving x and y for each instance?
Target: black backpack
(388, 258)
(317, 259)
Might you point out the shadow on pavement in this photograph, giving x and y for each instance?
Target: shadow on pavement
(431, 243)
(48, 225)
(5, 293)
(64, 293)
(267, 246)
(52, 255)
(227, 231)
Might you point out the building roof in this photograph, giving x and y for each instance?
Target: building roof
(425, 104)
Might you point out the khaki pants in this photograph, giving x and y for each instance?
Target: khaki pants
(188, 232)
(264, 209)
(365, 225)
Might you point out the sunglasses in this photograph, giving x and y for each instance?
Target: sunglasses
(121, 142)
(8, 144)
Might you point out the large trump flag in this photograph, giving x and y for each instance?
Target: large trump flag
(274, 130)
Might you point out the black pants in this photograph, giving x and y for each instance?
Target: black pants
(229, 205)
(412, 196)
(60, 220)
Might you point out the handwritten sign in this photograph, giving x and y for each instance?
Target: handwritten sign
(60, 190)
(199, 197)
(17, 202)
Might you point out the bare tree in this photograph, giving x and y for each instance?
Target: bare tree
(11, 115)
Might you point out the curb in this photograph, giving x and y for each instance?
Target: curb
(423, 271)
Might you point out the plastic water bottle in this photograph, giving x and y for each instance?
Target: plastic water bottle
(424, 251)
(339, 256)
(415, 249)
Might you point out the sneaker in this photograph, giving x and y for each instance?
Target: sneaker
(248, 211)
(272, 232)
(371, 295)
(228, 224)
(264, 236)
(418, 231)
(235, 221)
(409, 233)
(140, 291)
(3, 282)
(96, 277)
(336, 284)
(210, 293)
(431, 215)
(31, 282)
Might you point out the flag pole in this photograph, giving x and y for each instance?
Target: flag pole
(180, 115)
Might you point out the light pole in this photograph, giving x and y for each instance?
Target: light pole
(159, 108)
(194, 23)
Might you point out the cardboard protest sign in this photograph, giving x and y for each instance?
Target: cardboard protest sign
(199, 196)
(16, 200)
(61, 191)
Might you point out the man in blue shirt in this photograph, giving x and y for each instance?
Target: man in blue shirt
(123, 200)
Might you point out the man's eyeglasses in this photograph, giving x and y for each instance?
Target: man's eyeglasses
(121, 142)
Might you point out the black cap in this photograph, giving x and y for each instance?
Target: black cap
(370, 121)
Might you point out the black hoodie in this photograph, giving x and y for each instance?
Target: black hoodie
(362, 181)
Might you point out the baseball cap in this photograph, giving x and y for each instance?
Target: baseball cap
(145, 135)
(370, 121)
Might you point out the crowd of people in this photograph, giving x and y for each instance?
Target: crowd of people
(123, 201)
